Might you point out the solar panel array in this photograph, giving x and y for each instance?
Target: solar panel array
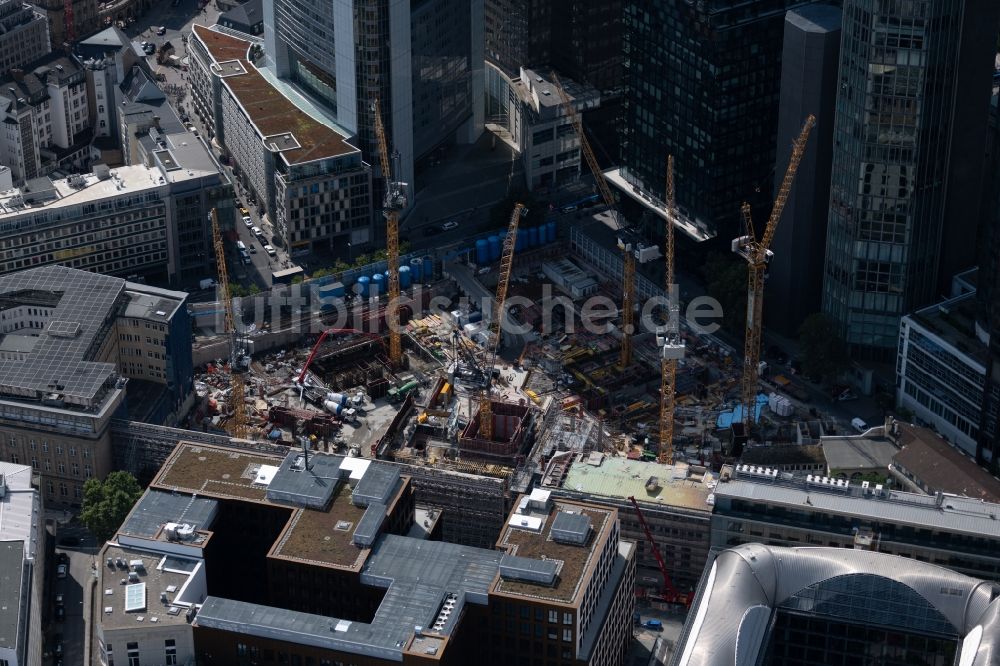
(57, 364)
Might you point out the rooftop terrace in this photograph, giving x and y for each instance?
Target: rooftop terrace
(213, 471)
(523, 539)
(324, 538)
(271, 113)
(621, 478)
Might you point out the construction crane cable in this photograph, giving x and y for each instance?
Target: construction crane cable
(393, 203)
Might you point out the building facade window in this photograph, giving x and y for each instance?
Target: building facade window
(132, 650)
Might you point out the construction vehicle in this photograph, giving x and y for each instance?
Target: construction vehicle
(669, 594)
(757, 254)
(496, 326)
(668, 337)
(394, 201)
(398, 394)
(628, 239)
(239, 357)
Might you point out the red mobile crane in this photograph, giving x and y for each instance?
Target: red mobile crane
(670, 593)
(312, 354)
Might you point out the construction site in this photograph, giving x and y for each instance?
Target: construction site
(501, 371)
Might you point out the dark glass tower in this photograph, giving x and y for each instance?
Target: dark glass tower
(908, 160)
(701, 83)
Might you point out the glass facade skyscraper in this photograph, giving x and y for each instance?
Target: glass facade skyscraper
(701, 83)
(908, 158)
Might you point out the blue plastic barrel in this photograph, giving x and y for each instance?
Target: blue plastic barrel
(428, 273)
(550, 231)
(522, 240)
(362, 286)
(404, 277)
(338, 289)
(416, 270)
(378, 284)
(482, 251)
(494, 247)
(533, 237)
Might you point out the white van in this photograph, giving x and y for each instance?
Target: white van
(859, 425)
(241, 246)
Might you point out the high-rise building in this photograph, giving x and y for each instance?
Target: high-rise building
(421, 59)
(761, 604)
(702, 84)
(908, 160)
(808, 86)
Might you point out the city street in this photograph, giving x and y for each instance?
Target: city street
(75, 589)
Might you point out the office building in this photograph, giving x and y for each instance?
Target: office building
(673, 500)
(785, 606)
(46, 120)
(912, 116)
(809, 61)
(702, 84)
(759, 505)
(24, 35)
(422, 59)
(247, 18)
(71, 342)
(305, 173)
(536, 123)
(581, 39)
(941, 370)
(342, 580)
(926, 463)
(22, 567)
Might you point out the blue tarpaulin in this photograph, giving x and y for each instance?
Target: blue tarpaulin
(726, 419)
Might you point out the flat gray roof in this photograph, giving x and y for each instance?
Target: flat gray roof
(160, 575)
(11, 570)
(61, 364)
(20, 508)
(957, 514)
(312, 487)
(157, 507)
(145, 302)
(420, 577)
(858, 453)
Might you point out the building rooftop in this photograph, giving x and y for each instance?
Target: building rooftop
(956, 514)
(59, 368)
(19, 507)
(622, 478)
(815, 18)
(954, 322)
(942, 467)
(11, 571)
(127, 595)
(214, 471)
(537, 88)
(845, 453)
(153, 303)
(296, 135)
(247, 15)
(793, 454)
(426, 582)
(533, 531)
(324, 538)
(157, 508)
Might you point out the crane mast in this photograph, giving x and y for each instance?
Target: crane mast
(627, 239)
(395, 201)
(496, 324)
(237, 347)
(668, 336)
(757, 253)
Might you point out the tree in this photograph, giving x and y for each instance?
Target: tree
(824, 353)
(726, 282)
(107, 503)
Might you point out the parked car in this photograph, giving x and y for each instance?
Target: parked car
(257, 231)
(60, 598)
(59, 645)
(62, 558)
(247, 221)
(60, 613)
(148, 48)
(270, 250)
(162, 30)
(449, 225)
(61, 571)
(244, 212)
(253, 249)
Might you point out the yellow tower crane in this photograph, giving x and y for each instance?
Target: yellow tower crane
(238, 356)
(668, 337)
(628, 240)
(395, 201)
(496, 324)
(757, 254)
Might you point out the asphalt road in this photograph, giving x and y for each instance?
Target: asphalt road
(75, 589)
